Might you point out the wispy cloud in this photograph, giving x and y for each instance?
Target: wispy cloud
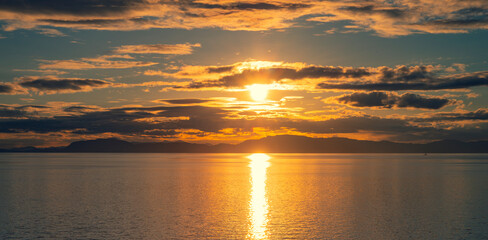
(175, 49)
(101, 62)
(316, 77)
(50, 85)
(390, 100)
(11, 89)
(386, 18)
(459, 81)
(50, 32)
(147, 122)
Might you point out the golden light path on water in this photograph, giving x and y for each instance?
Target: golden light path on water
(258, 206)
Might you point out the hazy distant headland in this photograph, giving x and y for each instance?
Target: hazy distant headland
(272, 144)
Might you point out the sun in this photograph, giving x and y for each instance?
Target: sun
(259, 157)
(258, 92)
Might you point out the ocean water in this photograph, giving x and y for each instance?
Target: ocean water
(231, 196)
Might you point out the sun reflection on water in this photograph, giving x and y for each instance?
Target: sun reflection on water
(258, 206)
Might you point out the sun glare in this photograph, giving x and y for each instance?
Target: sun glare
(259, 157)
(258, 206)
(258, 92)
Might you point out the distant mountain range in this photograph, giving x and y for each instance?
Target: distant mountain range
(273, 144)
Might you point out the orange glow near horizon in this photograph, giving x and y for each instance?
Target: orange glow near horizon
(258, 206)
(258, 157)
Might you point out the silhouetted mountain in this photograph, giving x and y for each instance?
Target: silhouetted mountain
(273, 144)
(117, 145)
(22, 149)
(100, 145)
(301, 144)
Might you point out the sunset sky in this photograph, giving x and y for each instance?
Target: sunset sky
(226, 71)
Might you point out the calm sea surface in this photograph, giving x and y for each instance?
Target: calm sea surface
(229, 196)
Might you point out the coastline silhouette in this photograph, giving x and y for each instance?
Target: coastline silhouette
(274, 144)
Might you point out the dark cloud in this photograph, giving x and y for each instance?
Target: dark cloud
(73, 7)
(480, 114)
(11, 89)
(14, 111)
(452, 82)
(460, 23)
(144, 14)
(387, 18)
(274, 74)
(122, 120)
(463, 18)
(354, 124)
(371, 9)
(75, 109)
(6, 89)
(244, 6)
(185, 101)
(406, 73)
(86, 22)
(142, 121)
(62, 85)
(374, 99)
(390, 100)
(11, 112)
(404, 17)
(220, 69)
(396, 129)
(50, 85)
(338, 77)
(416, 101)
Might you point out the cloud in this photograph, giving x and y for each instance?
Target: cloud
(417, 101)
(50, 32)
(404, 73)
(61, 85)
(421, 82)
(101, 62)
(207, 102)
(52, 85)
(391, 100)
(406, 17)
(164, 121)
(19, 111)
(11, 89)
(185, 101)
(131, 120)
(205, 72)
(475, 17)
(45, 71)
(176, 49)
(315, 77)
(270, 75)
(9, 112)
(261, 72)
(456, 67)
(6, 88)
(371, 10)
(386, 18)
(79, 109)
(143, 14)
(247, 6)
(479, 114)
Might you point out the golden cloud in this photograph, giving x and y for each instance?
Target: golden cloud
(175, 49)
(386, 18)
